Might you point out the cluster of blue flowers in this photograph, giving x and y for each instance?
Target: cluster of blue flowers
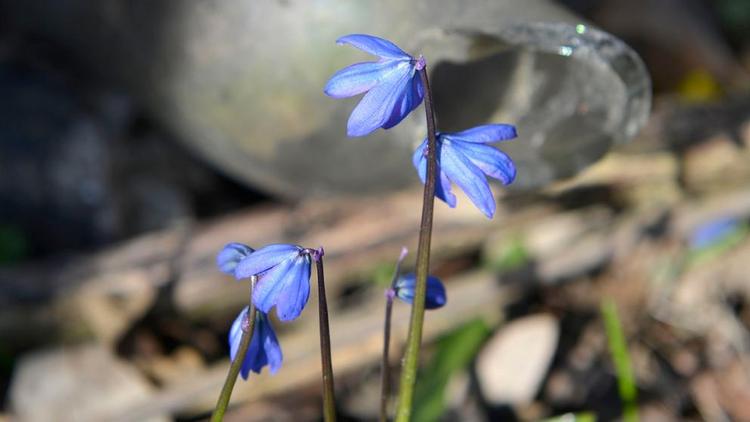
(282, 275)
(282, 280)
(393, 89)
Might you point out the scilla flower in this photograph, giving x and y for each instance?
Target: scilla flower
(392, 83)
(283, 278)
(231, 255)
(264, 347)
(435, 298)
(714, 232)
(464, 158)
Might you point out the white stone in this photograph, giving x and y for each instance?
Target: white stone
(513, 363)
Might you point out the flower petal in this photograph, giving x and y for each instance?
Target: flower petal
(419, 159)
(408, 101)
(435, 297)
(264, 258)
(485, 134)
(443, 188)
(358, 78)
(270, 285)
(235, 333)
(374, 45)
(490, 160)
(271, 346)
(230, 255)
(256, 358)
(295, 290)
(713, 232)
(377, 106)
(263, 349)
(461, 171)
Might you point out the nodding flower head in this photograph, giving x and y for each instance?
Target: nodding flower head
(264, 346)
(464, 158)
(231, 255)
(392, 84)
(283, 273)
(405, 285)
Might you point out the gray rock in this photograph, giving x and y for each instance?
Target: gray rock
(83, 383)
(241, 82)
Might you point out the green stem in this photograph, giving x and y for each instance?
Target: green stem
(234, 369)
(329, 398)
(385, 373)
(413, 342)
(385, 379)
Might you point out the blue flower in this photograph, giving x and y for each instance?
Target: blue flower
(283, 278)
(264, 347)
(230, 255)
(406, 284)
(714, 232)
(392, 83)
(465, 159)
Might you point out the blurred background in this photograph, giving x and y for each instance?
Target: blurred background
(137, 138)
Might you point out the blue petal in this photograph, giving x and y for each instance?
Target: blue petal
(270, 285)
(235, 334)
(271, 345)
(490, 160)
(358, 78)
(229, 256)
(374, 45)
(435, 297)
(408, 101)
(384, 103)
(443, 188)
(461, 171)
(485, 134)
(264, 347)
(295, 290)
(713, 232)
(257, 356)
(255, 359)
(420, 161)
(265, 258)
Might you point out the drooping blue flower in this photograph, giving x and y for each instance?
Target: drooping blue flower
(283, 278)
(464, 158)
(230, 255)
(714, 232)
(264, 347)
(435, 298)
(392, 83)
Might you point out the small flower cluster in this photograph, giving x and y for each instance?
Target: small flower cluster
(282, 280)
(282, 274)
(393, 89)
(393, 86)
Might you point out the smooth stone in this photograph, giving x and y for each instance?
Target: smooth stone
(512, 365)
(76, 384)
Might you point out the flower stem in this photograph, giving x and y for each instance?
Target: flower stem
(385, 375)
(329, 399)
(234, 369)
(413, 342)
